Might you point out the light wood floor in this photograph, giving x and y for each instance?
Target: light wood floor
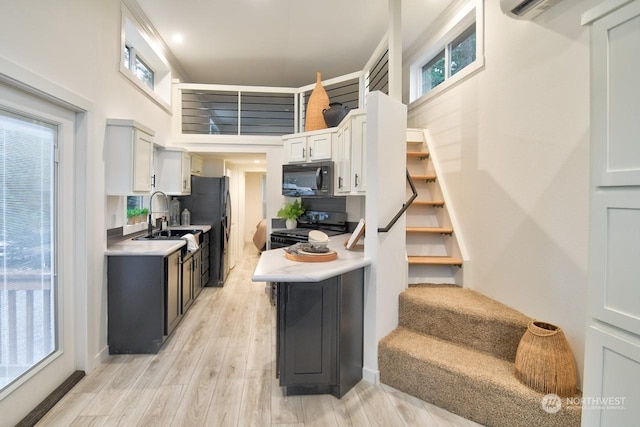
(217, 369)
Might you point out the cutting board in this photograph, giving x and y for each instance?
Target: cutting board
(309, 257)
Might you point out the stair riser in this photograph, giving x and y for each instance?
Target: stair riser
(478, 401)
(487, 335)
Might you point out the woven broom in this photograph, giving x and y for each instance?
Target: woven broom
(545, 362)
(318, 101)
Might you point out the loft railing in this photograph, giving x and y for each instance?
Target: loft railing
(207, 109)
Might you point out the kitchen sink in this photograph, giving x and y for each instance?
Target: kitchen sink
(170, 235)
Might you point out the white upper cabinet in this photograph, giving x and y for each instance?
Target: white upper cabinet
(197, 165)
(173, 172)
(311, 146)
(129, 156)
(350, 155)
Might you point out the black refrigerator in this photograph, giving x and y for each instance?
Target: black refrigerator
(210, 204)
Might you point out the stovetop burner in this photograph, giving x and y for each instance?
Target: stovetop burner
(304, 232)
(330, 223)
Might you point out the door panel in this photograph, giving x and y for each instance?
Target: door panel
(37, 342)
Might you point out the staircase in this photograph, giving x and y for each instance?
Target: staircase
(432, 248)
(456, 348)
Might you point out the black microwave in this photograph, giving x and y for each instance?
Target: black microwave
(307, 179)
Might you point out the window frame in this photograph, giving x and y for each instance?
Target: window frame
(141, 45)
(131, 64)
(449, 27)
(142, 225)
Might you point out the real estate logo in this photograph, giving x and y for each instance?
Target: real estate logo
(551, 403)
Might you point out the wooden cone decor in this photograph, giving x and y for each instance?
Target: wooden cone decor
(545, 362)
(318, 101)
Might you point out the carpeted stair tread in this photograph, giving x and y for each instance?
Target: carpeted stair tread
(463, 316)
(465, 381)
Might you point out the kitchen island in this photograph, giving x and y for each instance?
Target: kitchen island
(320, 319)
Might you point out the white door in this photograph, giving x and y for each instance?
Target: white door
(37, 345)
(612, 356)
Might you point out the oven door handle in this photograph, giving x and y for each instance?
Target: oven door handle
(319, 178)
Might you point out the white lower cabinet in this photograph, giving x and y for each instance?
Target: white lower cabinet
(129, 156)
(173, 172)
(612, 372)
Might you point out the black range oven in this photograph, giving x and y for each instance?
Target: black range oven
(331, 223)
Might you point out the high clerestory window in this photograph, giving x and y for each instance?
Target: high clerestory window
(143, 62)
(451, 53)
(140, 69)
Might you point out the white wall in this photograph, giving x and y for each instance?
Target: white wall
(76, 46)
(252, 203)
(514, 145)
(386, 278)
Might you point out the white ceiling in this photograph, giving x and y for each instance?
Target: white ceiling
(279, 42)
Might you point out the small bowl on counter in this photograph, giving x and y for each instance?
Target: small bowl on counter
(318, 239)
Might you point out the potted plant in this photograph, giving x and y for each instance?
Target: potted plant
(144, 212)
(291, 212)
(131, 216)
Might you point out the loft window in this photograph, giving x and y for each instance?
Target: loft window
(143, 62)
(462, 51)
(141, 70)
(433, 73)
(452, 52)
(459, 53)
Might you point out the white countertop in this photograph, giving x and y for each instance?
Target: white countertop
(152, 247)
(274, 267)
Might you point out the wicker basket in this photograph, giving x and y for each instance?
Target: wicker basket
(318, 101)
(545, 362)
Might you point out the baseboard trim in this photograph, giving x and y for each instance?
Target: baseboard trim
(101, 357)
(49, 402)
(371, 375)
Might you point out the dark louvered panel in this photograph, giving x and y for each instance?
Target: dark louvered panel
(209, 112)
(379, 74)
(216, 112)
(267, 114)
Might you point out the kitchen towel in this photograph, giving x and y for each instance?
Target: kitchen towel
(192, 245)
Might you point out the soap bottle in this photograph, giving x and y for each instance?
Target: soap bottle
(186, 217)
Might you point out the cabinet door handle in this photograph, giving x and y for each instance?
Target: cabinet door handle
(153, 181)
(356, 180)
(310, 152)
(304, 150)
(339, 182)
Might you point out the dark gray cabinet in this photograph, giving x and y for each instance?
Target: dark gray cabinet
(204, 259)
(320, 334)
(191, 278)
(143, 301)
(174, 307)
(187, 283)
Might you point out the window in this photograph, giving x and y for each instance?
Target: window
(451, 53)
(136, 210)
(433, 73)
(462, 51)
(27, 259)
(142, 71)
(142, 61)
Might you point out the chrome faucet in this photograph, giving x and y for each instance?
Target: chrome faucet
(166, 199)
